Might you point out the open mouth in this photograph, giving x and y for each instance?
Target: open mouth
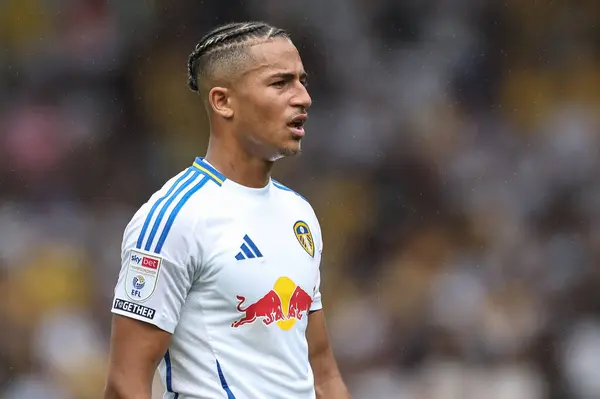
(297, 124)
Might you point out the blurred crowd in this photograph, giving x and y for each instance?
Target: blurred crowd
(452, 155)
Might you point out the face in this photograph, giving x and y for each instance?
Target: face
(270, 100)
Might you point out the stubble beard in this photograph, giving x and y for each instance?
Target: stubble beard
(288, 152)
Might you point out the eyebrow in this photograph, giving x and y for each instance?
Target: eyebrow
(289, 75)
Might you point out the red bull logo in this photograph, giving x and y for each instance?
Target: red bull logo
(283, 305)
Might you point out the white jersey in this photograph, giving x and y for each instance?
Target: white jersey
(232, 272)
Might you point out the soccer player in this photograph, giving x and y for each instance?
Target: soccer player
(219, 284)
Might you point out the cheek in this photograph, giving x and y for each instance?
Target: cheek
(263, 112)
(268, 111)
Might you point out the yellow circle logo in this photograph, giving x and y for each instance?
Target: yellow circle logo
(284, 287)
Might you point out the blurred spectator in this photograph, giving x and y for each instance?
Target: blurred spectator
(452, 157)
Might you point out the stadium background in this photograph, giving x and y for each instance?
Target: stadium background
(452, 156)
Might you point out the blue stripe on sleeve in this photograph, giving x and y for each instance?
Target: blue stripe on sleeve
(175, 211)
(156, 204)
(163, 210)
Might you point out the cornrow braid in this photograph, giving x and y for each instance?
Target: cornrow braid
(225, 37)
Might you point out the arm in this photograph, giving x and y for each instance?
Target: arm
(328, 381)
(148, 300)
(136, 348)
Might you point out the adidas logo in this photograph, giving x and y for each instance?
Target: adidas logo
(249, 250)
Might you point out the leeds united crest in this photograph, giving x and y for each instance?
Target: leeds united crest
(304, 237)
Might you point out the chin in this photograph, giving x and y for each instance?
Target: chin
(285, 152)
(291, 150)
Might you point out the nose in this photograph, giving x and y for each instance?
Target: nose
(301, 98)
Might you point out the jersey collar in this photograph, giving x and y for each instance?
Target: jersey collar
(201, 165)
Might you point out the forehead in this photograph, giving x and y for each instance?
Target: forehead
(275, 55)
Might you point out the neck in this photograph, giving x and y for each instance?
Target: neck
(237, 165)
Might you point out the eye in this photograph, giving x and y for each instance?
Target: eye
(279, 83)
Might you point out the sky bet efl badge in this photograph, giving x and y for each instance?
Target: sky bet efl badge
(142, 275)
(304, 237)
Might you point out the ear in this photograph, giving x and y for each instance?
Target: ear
(220, 101)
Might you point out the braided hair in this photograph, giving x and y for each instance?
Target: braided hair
(224, 43)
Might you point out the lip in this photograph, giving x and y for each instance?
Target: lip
(299, 118)
(298, 131)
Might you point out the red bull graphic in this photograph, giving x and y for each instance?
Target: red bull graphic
(283, 305)
(299, 304)
(268, 308)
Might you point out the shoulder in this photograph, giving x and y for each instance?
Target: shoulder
(307, 213)
(292, 195)
(296, 199)
(174, 209)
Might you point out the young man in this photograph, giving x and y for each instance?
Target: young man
(220, 268)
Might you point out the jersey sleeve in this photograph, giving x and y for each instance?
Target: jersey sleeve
(158, 265)
(316, 300)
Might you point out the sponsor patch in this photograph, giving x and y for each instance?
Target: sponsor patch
(134, 308)
(142, 275)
